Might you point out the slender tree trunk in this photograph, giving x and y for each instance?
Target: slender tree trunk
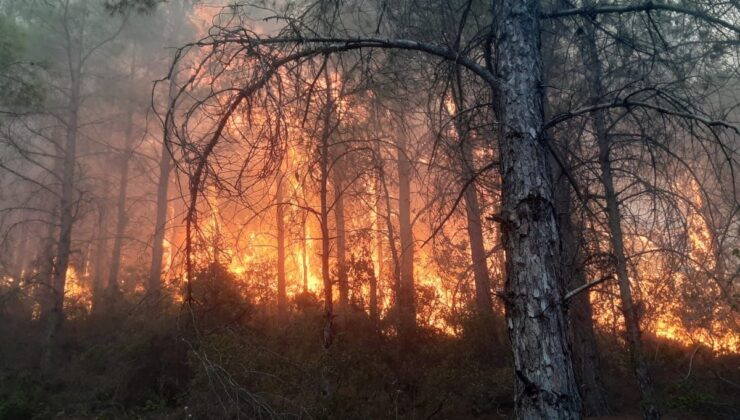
(121, 216)
(639, 363)
(101, 261)
(66, 218)
(15, 307)
(545, 381)
(406, 297)
(378, 272)
(325, 248)
(304, 256)
(282, 298)
(341, 240)
(160, 224)
(487, 325)
(483, 302)
(45, 277)
(595, 80)
(583, 338)
(20, 257)
(395, 257)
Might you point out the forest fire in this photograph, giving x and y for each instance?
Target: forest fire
(369, 209)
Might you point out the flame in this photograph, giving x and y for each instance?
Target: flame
(76, 292)
(241, 245)
(672, 291)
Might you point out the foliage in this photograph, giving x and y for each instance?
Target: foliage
(21, 86)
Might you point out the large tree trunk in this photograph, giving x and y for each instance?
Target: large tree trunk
(545, 381)
(406, 301)
(595, 80)
(282, 298)
(583, 339)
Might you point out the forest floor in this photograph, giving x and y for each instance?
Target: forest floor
(244, 365)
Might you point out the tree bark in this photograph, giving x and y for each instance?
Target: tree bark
(545, 381)
(594, 78)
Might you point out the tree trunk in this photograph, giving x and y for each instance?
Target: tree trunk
(101, 260)
(160, 224)
(583, 339)
(396, 287)
(282, 298)
(66, 219)
(121, 216)
(478, 253)
(20, 260)
(341, 240)
(545, 381)
(483, 302)
(304, 256)
(406, 304)
(594, 78)
(378, 271)
(325, 248)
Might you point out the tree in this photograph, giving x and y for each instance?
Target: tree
(534, 306)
